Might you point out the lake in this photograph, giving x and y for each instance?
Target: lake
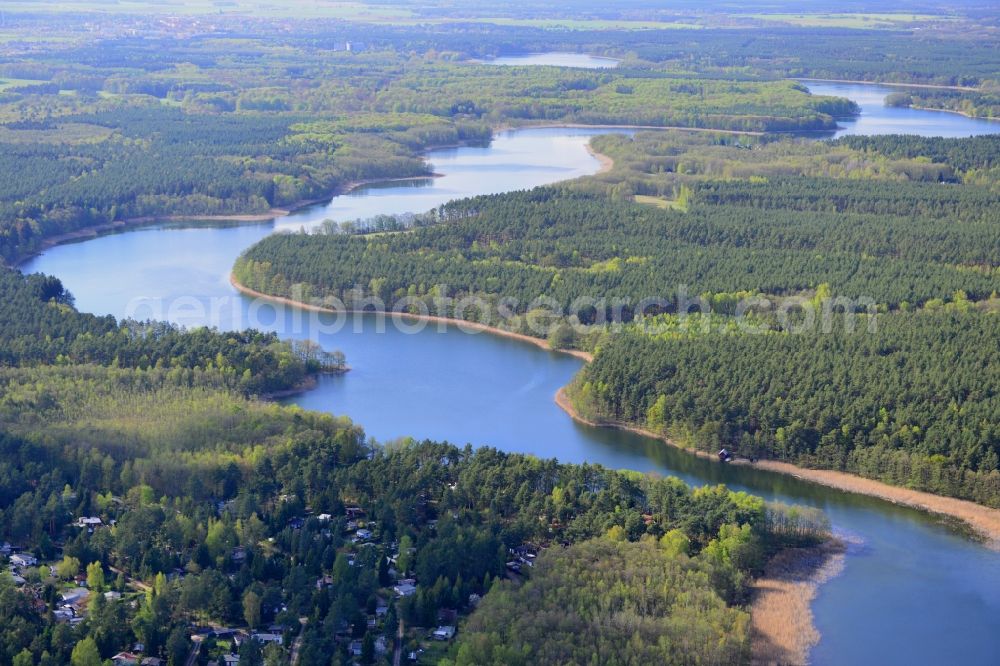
(581, 60)
(877, 118)
(913, 592)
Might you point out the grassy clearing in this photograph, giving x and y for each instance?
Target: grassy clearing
(582, 24)
(870, 20)
(74, 133)
(660, 202)
(16, 83)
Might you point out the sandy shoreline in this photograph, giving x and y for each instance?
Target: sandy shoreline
(678, 128)
(982, 519)
(467, 326)
(607, 164)
(894, 84)
(781, 619)
(961, 113)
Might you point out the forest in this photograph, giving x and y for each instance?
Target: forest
(229, 122)
(39, 327)
(149, 498)
(229, 126)
(828, 303)
(257, 536)
(671, 241)
(777, 218)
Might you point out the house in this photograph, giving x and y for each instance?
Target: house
(324, 517)
(22, 560)
(381, 645)
(6, 549)
(364, 534)
(444, 633)
(152, 661)
(230, 659)
(267, 638)
(125, 659)
(239, 554)
(405, 587)
(88, 521)
(355, 648)
(63, 614)
(114, 596)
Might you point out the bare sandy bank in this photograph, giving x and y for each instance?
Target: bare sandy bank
(468, 326)
(983, 520)
(607, 164)
(781, 619)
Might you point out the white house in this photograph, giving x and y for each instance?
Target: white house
(88, 521)
(444, 633)
(23, 560)
(266, 639)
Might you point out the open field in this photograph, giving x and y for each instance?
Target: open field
(838, 20)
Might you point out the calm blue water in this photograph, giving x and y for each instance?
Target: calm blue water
(915, 592)
(877, 118)
(581, 60)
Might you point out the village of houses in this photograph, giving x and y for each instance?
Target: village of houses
(216, 645)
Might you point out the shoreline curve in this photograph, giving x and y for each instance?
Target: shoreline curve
(782, 625)
(983, 520)
(467, 326)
